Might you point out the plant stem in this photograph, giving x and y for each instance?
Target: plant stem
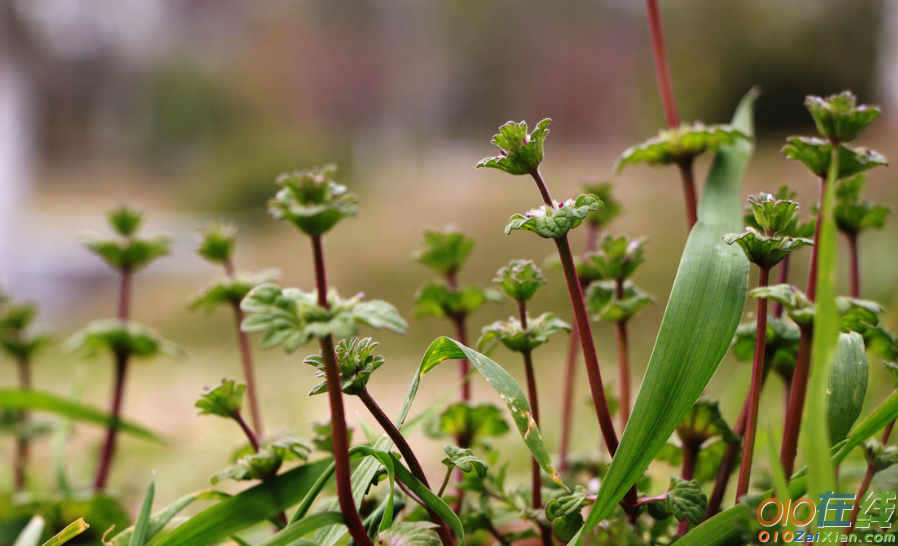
(406, 451)
(338, 418)
(118, 393)
(533, 399)
(246, 356)
(570, 367)
(690, 458)
(782, 277)
(496, 533)
(250, 435)
(623, 360)
(812, 270)
(789, 448)
(855, 265)
(662, 70)
(445, 481)
(461, 332)
(20, 464)
(754, 393)
(581, 318)
(689, 195)
(868, 478)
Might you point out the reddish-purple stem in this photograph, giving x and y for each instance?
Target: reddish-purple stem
(623, 360)
(690, 458)
(868, 478)
(246, 358)
(20, 464)
(855, 265)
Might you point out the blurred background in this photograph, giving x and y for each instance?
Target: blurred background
(190, 108)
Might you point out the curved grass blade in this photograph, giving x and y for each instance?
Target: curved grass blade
(139, 536)
(295, 531)
(163, 517)
(847, 386)
(711, 282)
(443, 349)
(815, 428)
(721, 530)
(31, 534)
(71, 531)
(255, 505)
(19, 399)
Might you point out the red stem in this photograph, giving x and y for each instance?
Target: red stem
(464, 367)
(855, 265)
(662, 70)
(782, 277)
(789, 448)
(623, 360)
(690, 458)
(246, 356)
(865, 484)
(338, 418)
(406, 451)
(689, 195)
(20, 464)
(754, 393)
(250, 435)
(812, 271)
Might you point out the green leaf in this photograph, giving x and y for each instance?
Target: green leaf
(311, 200)
(851, 214)
(130, 253)
(704, 421)
(815, 426)
(684, 500)
(440, 301)
(772, 214)
(293, 532)
(511, 333)
(35, 400)
(816, 153)
(464, 460)
(71, 531)
(612, 207)
(355, 362)
(230, 290)
(721, 530)
(847, 386)
(125, 337)
(31, 534)
(712, 279)
(617, 257)
(471, 423)
(603, 303)
(225, 400)
(216, 242)
(520, 279)
(762, 250)
(680, 144)
(880, 457)
(520, 152)
(140, 535)
(443, 349)
(125, 220)
(445, 251)
(254, 505)
(163, 517)
(418, 533)
(839, 117)
(556, 221)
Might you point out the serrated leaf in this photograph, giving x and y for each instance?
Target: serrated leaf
(418, 533)
(688, 348)
(684, 500)
(225, 400)
(445, 251)
(464, 460)
(230, 290)
(839, 117)
(472, 423)
(816, 154)
(553, 222)
(680, 144)
(311, 200)
(520, 152)
(440, 301)
(511, 333)
(520, 279)
(121, 337)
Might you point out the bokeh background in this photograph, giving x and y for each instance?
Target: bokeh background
(190, 108)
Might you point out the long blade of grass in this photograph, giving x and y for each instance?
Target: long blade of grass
(71, 531)
(704, 309)
(255, 505)
(847, 385)
(163, 517)
(821, 474)
(295, 531)
(34, 400)
(31, 534)
(139, 536)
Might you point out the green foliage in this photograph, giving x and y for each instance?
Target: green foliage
(71, 531)
(292, 317)
(438, 300)
(684, 500)
(418, 533)
(125, 251)
(323, 436)
(611, 208)
(265, 463)
(617, 257)
(762, 250)
(880, 457)
(216, 242)
(773, 215)
(227, 290)
(703, 422)
(140, 535)
(851, 214)
(520, 279)
(815, 154)
(471, 424)
(511, 334)
(556, 221)
(355, 362)
(445, 251)
(781, 349)
(121, 338)
(225, 400)
(311, 200)
(855, 315)
(679, 145)
(795, 227)
(464, 460)
(840, 117)
(125, 220)
(603, 303)
(15, 338)
(520, 152)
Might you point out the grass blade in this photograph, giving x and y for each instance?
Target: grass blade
(34, 400)
(139, 536)
(295, 531)
(255, 505)
(71, 531)
(721, 530)
(847, 386)
(712, 280)
(162, 518)
(31, 534)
